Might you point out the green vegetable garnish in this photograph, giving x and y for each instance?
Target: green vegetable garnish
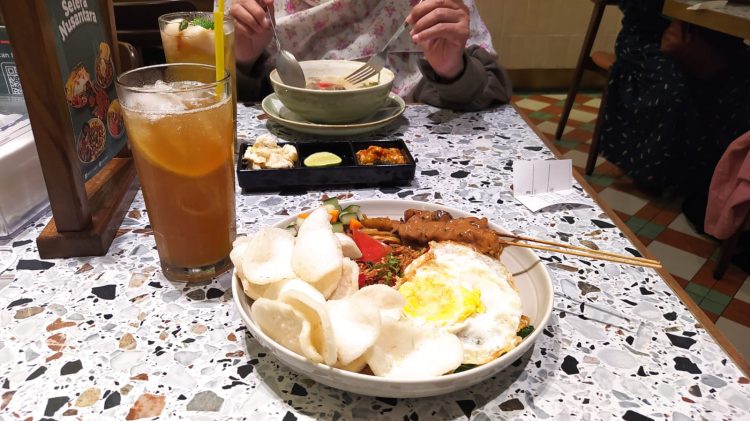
(203, 22)
(523, 333)
(389, 267)
(206, 23)
(464, 367)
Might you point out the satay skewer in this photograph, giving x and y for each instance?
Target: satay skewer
(389, 225)
(612, 257)
(579, 248)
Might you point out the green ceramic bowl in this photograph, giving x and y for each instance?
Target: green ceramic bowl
(334, 107)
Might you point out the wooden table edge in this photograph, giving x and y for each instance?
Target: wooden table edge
(700, 316)
(711, 19)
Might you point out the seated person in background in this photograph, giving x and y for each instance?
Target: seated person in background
(678, 96)
(446, 60)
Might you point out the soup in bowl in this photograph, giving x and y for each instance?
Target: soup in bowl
(328, 98)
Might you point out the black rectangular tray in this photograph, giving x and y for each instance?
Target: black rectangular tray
(348, 174)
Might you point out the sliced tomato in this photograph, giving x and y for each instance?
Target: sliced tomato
(372, 249)
(324, 85)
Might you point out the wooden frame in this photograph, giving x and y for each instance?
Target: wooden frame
(86, 214)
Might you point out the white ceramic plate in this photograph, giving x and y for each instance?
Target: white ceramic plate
(277, 112)
(536, 293)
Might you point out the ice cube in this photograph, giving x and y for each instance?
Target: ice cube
(154, 102)
(197, 98)
(169, 97)
(160, 86)
(170, 37)
(173, 27)
(199, 38)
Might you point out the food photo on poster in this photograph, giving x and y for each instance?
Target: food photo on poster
(86, 65)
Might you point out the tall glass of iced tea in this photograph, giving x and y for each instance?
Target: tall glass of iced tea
(181, 130)
(188, 37)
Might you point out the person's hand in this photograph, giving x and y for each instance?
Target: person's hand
(252, 29)
(441, 29)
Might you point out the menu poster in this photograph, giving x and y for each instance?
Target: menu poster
(11, 93)
(11, 83)
(87, 67)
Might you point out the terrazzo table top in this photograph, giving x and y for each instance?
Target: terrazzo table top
(109, 338)
(731, 18)
(734, 9)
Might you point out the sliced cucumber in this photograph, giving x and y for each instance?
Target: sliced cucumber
(332, 203)
(346, 217)
(351, 209)
(337, 227)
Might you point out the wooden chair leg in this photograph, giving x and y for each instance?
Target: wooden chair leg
(588, 43)
(129, 56)
(594, 147)
(728, 247)
(569, 101)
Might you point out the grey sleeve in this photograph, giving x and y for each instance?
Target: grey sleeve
(253, 82)
(483, 84)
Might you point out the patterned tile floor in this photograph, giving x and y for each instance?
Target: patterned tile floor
(657, 221)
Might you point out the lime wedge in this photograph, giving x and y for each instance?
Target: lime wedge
(322, 159)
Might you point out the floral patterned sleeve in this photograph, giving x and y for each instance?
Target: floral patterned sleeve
(357, 29)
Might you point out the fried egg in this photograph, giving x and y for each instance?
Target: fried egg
(454, 288)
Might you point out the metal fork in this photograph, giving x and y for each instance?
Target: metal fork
(375, 64)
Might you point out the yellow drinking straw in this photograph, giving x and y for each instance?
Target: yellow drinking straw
(219, 45)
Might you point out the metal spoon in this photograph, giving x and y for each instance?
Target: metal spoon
(288, 67)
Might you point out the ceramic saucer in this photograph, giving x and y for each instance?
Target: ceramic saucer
(393, 108)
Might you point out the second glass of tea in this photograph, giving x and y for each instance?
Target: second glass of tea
(181, 131)
(188, 37)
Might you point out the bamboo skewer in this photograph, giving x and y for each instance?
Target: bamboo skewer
(592, 254)
(570, 246)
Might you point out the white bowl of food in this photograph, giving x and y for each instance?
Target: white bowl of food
(328, 98)
(414, 352)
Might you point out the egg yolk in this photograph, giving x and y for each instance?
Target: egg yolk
(440, 303)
